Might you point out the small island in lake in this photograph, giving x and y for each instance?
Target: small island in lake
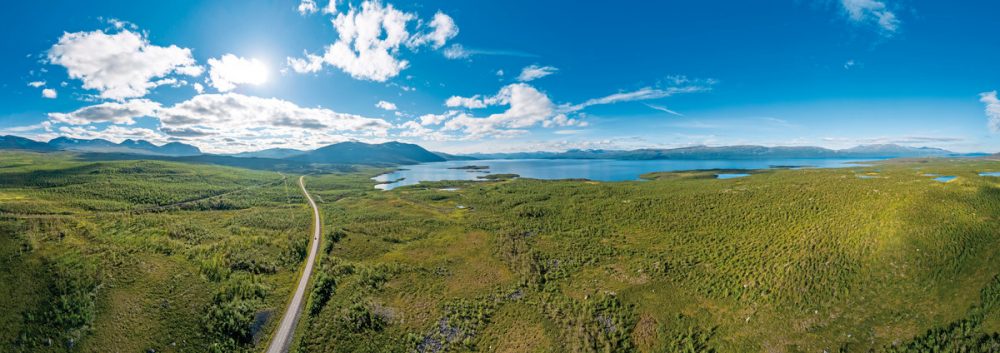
(471, 167)
(499, 176)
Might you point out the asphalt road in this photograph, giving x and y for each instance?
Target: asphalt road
(283, 335)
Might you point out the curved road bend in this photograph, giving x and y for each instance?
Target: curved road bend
(283, 335)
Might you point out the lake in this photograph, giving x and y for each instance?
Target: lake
(945, 179)
(593, 169)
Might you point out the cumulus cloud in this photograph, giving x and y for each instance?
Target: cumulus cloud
(119, 65)
(437, 119)
(234, 122)
(113, 133)
(444, 29)
(198, 87)
(414, 129)
(534, 72)
(49, 93)
(474, 102)
(112, 112)
(872, 11)
(230, 70)
(331, 7)
(992, 110)
(527, 107)
(36, 84)
(369, 42)
(386, 105)
(307, 7)
(220, 112)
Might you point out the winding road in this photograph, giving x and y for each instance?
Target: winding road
(283, 335)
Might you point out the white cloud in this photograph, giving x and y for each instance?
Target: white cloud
(331, 7)
(474, 102)
(362, 50)
(113, 133)
(230, 70)
(45, 125)
(370, 39)
(113, 112)
(872, 11)
(120, 65)
(527, 107)
(49, 93)
(198, 87)
(233, 122)
(220, 112)
(456, 51)
(444, 30)
(36, 84)
(664, 109)
(386, 105)
(500, 72)
(307, 7)
(119, 24)
(414, 129)
(638, 95)
(534, 72)
(437, 119)
(992, 110)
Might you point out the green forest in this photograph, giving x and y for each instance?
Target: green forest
(165, 256)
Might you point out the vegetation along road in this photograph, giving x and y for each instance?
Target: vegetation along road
(283, 335)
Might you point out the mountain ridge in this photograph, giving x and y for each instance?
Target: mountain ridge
(131, 146)
(399, 153)
(734, 152)
(362, 153)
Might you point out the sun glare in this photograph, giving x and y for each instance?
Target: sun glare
(227, 72)
(252, 71)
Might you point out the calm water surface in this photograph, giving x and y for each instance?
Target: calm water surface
(945, 179)
(731, 176)
(593, 169)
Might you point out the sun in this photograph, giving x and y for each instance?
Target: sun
(255, 72)
(227, 72)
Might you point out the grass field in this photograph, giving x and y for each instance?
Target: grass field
(131, 256)
(780, 261)
(136, 255)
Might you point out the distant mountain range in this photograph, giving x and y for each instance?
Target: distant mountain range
(142, 147)
(363, 153)
(735, 152)
(356, 153)
(278, 153)
(397, 153)
(389, 153)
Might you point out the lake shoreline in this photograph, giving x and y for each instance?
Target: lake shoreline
(602, 170)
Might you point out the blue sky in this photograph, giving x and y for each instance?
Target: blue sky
(490, 76)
